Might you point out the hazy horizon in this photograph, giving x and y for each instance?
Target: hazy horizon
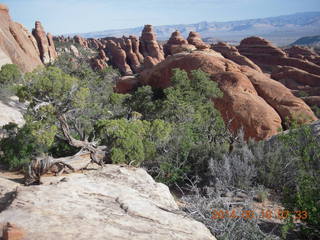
(81, 16)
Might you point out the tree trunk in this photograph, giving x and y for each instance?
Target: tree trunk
(89, 153)
(79, 161)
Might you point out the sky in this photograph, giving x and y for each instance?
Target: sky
(80, 16)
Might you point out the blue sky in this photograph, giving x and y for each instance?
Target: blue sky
(71, 16)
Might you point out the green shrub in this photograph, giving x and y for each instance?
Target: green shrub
(316, 110)
(289, 163)
(132, 142)
(198, 130)
(10, 74)
(303, 194)
(23, 144)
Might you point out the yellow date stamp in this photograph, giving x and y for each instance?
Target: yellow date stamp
(266, 214)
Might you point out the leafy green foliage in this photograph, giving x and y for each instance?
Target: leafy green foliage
(23, 144)
(198, 129)
(52, 93)
(10, 74)
(303, 193)
(316, 110)
(133, 142)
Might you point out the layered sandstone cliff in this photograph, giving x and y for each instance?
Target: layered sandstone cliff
(297, 67)
(19, 46)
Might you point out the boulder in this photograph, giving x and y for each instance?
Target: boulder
(11, 111)
(116, 202)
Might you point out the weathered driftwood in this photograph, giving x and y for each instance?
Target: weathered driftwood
(79, 161)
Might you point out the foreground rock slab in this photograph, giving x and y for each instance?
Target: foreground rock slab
(111, 203)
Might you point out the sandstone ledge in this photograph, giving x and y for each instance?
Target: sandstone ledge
(111, 203)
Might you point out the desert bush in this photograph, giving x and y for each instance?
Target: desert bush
(316, 110)
(198, 130)
(201, 207)
(303, 194)
(22, 144)
(10, 74)
(53, 94)
(289, 163)
(234, 169)
(132, 141)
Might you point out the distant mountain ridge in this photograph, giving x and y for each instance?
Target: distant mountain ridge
(310, 40)
(282, 30)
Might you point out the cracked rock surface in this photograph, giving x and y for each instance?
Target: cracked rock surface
(115, 202)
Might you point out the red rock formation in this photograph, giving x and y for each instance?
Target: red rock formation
(52, 50)
(194, 38)
(280, 98)
(12, 232)
(268, 57)
(45, 43)
(74, 50)
(240, 102)
(301, 91)
(135, 48)
(17, 45)
(177, 44)
(244, 108)
(95, 44)
(299, 76)
(132, 57)
(149, 45)
(126, 84)
(160, 75)
(303, 53)
(232, 53)
(100, 62)
(312, 100)
(118, 57)
(251, 99)
(81, 41)
(259, 47)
